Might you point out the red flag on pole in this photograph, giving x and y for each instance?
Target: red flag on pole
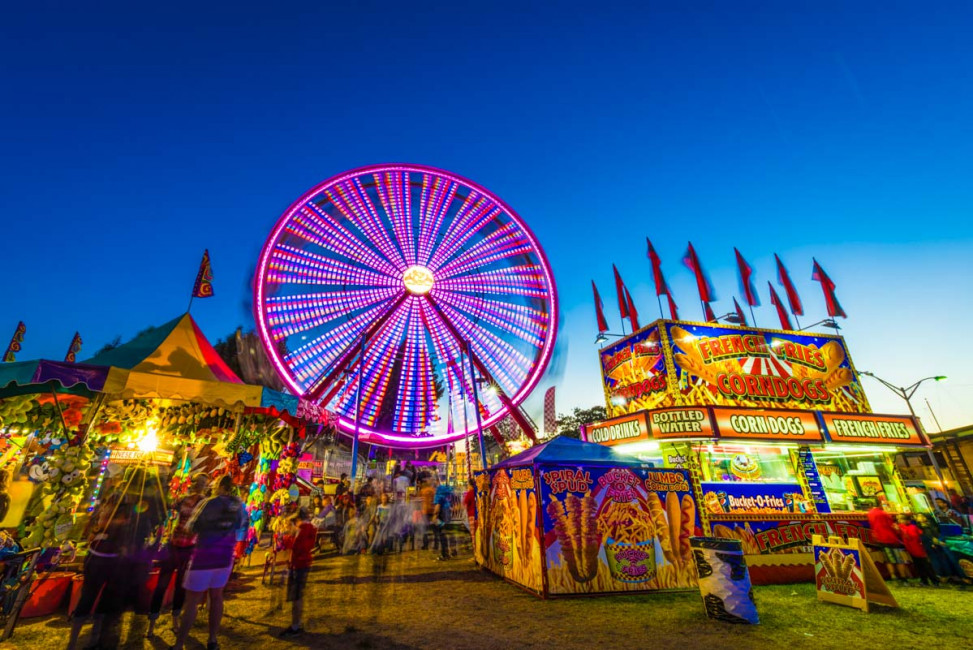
(746, 275)
(673, 311)
(204, 279)
(785, 281)
(828, 286)
(633, 316)
(660, 280)
(599, 310)
(742, 320)
(74, 348)
(620, 289)
(785, 320)
(708, 313)
(550, 414)
(706, 293)
(11, 354)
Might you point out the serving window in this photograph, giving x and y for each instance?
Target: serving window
(746, 463)
(855, 480)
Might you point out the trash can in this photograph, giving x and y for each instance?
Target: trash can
(724, 582)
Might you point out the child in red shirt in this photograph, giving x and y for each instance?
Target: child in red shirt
(911, 536)
(300, 567)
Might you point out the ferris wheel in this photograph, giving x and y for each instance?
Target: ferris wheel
(409, 301)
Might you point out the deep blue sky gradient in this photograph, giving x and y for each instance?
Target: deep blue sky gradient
(135, 135)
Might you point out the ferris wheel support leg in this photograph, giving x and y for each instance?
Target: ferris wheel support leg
(476, 407)
(354, 442)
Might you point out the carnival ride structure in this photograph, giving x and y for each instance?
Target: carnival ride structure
(413, 303)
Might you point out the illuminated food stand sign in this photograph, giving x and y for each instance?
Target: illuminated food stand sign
(625, 429)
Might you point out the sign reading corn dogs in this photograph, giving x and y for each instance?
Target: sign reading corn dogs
(623, 528)
(844, 573)
(759, 424)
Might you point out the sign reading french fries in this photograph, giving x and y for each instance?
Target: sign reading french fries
(844, 573)
(882, 429)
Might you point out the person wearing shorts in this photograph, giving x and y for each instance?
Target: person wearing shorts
(298, 570)
(215, 522)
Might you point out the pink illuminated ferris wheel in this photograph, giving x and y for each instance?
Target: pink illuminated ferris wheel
(393, 294)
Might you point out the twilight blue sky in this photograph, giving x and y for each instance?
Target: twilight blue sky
(135, 135)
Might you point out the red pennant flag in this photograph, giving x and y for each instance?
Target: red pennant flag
(620, 290)
(673, 310)
(746, 280)
(828, 286)
(204, 279)
(706, 293)
(660, 280)
(550, 415)
(11, 354)
(785, 320)
(599, 310)
(74, 348)
(785, 281)
(708, 313)
(633, 316)
(741, 319)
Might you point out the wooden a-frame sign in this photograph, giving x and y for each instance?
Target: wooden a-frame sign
(844, 573)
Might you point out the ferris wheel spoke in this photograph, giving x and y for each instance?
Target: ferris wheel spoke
(416, 386)
(393, 191)
(353, 201)
(527, 324)
(319, 223)
(436, 197)
(316, 358)
(298, 313)
(504, 243)
(289, 265)
(475, 212)
(445, 346)
(382, 353)
(504, 362)
(523, 280)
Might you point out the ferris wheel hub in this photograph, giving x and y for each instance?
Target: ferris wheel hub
(418, 280)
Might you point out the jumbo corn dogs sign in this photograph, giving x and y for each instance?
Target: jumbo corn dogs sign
(610, 529)
(688, 364)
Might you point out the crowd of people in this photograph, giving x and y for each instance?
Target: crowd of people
(125, 536)
(906, 539)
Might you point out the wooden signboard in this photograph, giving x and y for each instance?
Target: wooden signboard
(844, 573)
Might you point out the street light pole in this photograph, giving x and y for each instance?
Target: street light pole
(906, 394)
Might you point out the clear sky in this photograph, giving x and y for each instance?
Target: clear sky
(134, 135)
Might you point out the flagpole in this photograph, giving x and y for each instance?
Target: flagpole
(797, 320)
(753, 319)
(659, 300)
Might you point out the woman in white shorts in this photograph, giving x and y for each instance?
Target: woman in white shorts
(215, 522)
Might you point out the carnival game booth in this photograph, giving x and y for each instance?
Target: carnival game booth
(773, 426)
(164, 401)
(569, 517)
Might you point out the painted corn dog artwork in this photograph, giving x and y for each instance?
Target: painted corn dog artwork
(505, 539)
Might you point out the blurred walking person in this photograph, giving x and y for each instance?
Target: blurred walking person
(298, 570)
(215, 523)
(177, 554)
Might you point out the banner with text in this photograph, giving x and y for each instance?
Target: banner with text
(734, 366)
(633, 372)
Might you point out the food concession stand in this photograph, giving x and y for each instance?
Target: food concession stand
(773, 426)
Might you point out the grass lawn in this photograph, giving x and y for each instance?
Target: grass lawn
(413, 601)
